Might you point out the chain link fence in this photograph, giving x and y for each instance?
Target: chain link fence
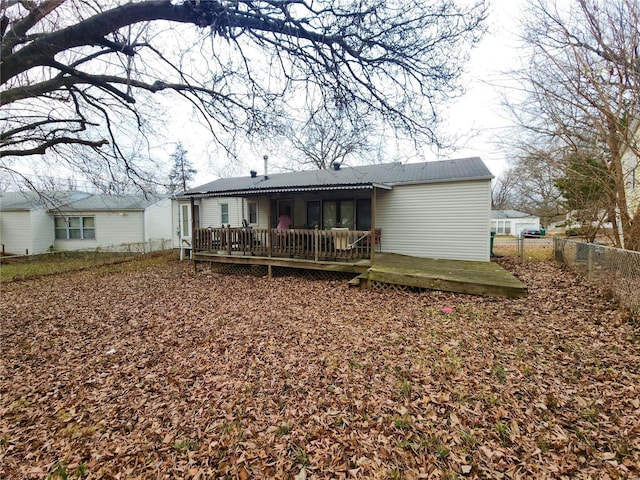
(137, 248)
(613, 268)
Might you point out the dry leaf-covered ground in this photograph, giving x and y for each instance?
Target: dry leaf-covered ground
(157, 373)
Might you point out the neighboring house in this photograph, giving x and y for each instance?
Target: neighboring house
(34, 223)
(512, 222)
(434, 209)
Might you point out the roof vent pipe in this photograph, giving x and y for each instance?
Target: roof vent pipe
(266, 164)
(253, 173)
(336, 165)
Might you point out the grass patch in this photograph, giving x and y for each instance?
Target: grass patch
(283, 430)
(300, 456)
(402, 423)
(531, 251)
(185, 445)
(23, 268)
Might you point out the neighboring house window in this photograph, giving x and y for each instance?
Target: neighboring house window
(253, 212)
(75, 228)
(501, 227)
(224, 213)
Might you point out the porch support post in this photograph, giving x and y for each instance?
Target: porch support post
(269, 232)
(192, 201)
(372, 243)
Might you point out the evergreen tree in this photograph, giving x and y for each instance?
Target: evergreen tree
(182, 171)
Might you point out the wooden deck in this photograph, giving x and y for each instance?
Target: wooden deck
(356, 266)
(477, 278)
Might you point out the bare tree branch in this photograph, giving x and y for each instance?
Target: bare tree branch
(68, 65)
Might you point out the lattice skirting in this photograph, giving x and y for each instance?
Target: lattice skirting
(262, 270)
(235, 269)
(391, 287)
(310, 274)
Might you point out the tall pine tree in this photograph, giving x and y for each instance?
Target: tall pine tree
(182, 171)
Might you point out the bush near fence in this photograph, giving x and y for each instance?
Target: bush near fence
(613, 268)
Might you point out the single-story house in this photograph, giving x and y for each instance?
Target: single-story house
(438, 209)
(512, 222)
(32, 223)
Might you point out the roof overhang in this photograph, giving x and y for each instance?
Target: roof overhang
(443, 180)
(267, 191)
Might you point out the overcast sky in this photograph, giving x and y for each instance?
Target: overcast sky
(476, 118)
(478, 113)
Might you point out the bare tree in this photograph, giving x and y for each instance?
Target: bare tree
(77, 73)
(582, 89)
(326, 137)
(503, 190)
(532, 187)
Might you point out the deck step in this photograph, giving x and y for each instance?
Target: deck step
(359, 281)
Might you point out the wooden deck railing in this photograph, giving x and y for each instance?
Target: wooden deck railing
(315, 244)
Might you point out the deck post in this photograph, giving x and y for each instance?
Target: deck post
(270, 271)
(269, 238)
(316, 243)
(192, 202)
(372, 238)
(229, 239)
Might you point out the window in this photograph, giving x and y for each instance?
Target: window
(75, 228)
(253, 212)
(501, 227)
(337, 214)
(196, 216)
(313, 213)
(363, 214)
(224, 213)
(185, 220)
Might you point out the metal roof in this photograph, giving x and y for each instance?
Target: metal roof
(348, 178)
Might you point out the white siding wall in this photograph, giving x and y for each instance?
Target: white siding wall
(15, 232)
(112, 228)
(447, 220)
(42, 231)
(210, 212)
(157, 218)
